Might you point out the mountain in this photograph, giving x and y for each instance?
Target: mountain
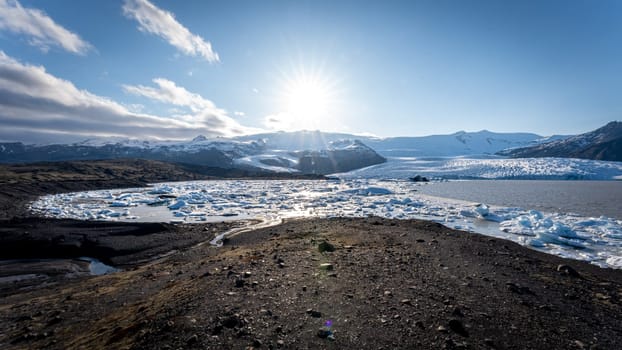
(604, 143)
(458, 144)
(249, 155)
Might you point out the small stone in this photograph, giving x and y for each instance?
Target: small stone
(406, 301)
(247, 274)
(568, 271)
(193, 339)
(323, 333)
(265, 312)
(304, 288)
(325, 247)
(280, 343)
(327, 266)
(239, 283)
(388, 293)
(281, 265)
(257, 343)
(457, 312)
(314, 313)
(458, 328)
(441, 329)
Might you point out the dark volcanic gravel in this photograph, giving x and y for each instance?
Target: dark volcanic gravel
(386, 285)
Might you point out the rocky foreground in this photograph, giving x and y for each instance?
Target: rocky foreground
(329, 284)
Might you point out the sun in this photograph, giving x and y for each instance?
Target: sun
(306, 98)
(308, 101)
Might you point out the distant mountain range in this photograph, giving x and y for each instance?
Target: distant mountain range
(315, 152)
(332, 157)
(601, 144)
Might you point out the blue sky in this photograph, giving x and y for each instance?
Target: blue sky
(71, 70)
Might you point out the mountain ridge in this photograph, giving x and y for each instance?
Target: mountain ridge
(604, 143)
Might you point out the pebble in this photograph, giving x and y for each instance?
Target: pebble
(325, 247)
(314, 313)
(193, 339)
(327, 266)
(458, 327)
(323, 333)
(568, 271)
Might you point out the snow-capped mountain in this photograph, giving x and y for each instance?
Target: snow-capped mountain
(254, 155)
(604, 143)
(458, 144)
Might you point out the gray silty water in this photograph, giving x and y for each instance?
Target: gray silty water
(588, 198)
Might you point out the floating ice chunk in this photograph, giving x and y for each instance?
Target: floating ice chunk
(615, 261)
(482, 210)
(369, 191)
(164, 189)
(121, 203)
(177, 205)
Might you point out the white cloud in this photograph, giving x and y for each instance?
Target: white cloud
(201, 109)
(37, 106)
(40, 29)
(239, 114)
(154, 20)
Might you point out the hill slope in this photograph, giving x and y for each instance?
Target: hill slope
(601, 144)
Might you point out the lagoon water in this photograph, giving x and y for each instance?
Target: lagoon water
(586, 198)
(579, 220)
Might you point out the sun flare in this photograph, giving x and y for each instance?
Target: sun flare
(307, 101)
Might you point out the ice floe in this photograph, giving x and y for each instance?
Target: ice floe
(594, 239)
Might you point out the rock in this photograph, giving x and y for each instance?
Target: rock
(247, 274)
(327, 266)
(406, 301)
(257, 343)
(568, 271)
(457, 327)
(324, 333)
(388, 293)
(441, 329)
(314, 313)
(239, 283)
(512, 287)
(325, 247)
(280, 343)
(457, 312)
(232, 321)
(193, 339)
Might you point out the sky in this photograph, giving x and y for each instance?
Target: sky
(162, 69)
